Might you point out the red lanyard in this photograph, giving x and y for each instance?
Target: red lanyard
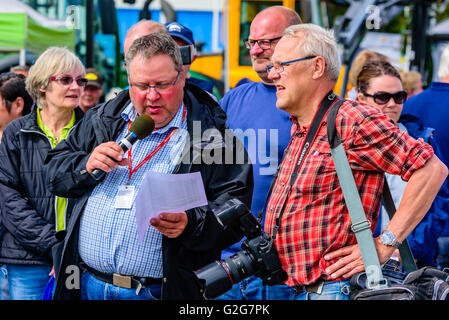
(131, 170)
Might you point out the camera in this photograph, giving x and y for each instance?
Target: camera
(259, 256)
(186, 55)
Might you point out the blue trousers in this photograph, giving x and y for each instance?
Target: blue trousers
(332, 290)
(250, 288)
(95, 289)
(27, 282)
(4, 288)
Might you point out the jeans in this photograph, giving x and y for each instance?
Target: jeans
(95, 289)
(27, 282)
(442, 260)
(332, 290)
(4, 288)
(250, 288)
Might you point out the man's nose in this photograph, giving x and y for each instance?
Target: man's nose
(272, 74)
(152, 94)
(255, 49)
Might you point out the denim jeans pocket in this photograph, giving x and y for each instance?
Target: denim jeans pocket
(332, 290)
(154, 292)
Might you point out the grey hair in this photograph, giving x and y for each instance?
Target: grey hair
(443, 68)
(318, 41)
(153, 44)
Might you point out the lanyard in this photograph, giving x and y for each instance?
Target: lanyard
(310, 138)
(159, 147)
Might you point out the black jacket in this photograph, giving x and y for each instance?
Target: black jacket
(27, 206)
(203, 237)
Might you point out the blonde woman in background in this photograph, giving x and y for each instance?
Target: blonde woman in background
(412, 83)
(34, 219)
(356, 66)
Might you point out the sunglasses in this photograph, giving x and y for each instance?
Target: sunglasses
(382, 97)
(66, 81)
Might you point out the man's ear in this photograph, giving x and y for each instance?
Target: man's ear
(319, 67)
(17, 106)
(183, 74)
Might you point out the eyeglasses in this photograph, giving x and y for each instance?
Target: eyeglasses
(278, 68)
(66, 81)
(144, 88)
(382, 97)
(264, 44)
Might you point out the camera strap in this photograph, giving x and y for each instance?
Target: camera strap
(312, 132)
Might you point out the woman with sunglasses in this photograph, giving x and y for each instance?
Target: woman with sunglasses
(33, 218)
(379, 84)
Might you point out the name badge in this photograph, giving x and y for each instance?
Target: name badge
(124, 198)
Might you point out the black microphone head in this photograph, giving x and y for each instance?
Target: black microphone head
(142, 126)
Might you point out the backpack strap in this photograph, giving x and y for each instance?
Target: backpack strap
(408, 261)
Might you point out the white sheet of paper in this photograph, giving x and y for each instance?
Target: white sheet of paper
(167, 193)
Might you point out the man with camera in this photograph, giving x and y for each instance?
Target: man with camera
(307, 214)
(101, 235)
(251, 110)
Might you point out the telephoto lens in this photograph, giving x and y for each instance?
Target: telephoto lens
(258, 256)
(219, 276)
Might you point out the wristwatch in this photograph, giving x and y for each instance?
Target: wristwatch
(388, 239)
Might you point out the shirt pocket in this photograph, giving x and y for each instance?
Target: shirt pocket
(318, 176)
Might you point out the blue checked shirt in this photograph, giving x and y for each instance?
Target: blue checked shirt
(108, 236)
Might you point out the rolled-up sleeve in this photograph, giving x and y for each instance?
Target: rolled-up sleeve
(377, 144)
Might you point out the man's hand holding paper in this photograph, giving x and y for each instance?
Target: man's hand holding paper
(170, 224)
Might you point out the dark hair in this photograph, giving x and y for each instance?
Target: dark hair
(12, 86)
(374, 69)
(9, 75)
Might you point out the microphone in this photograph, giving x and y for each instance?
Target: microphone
(140, 129)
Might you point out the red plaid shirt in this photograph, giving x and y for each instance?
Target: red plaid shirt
(316, 220)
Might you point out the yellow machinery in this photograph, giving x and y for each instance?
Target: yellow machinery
(234, 63)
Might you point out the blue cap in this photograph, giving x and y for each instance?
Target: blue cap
(177, 30)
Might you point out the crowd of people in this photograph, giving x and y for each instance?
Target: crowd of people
(67, 229)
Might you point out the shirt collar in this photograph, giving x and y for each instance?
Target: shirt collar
(130, 114)
(296, 127)
(64, 132)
